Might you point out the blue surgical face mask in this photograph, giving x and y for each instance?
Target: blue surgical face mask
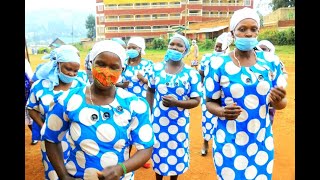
(174, 55)
(65, 78)
(218, 53)
(245, 44)
(132, 53)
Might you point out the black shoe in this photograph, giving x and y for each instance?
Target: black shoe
(34, 142)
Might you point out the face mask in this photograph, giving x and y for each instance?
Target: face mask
(245, 44)
(65, 78)
(218, 53)
(174, 55)
(105, 76)
(132, 53)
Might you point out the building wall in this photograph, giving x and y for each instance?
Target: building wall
(281, 14)
(199, 11)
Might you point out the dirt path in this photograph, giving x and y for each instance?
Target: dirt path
(201, 168)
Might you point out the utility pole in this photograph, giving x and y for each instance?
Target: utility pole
(185, 18)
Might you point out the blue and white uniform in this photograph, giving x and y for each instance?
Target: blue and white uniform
(171, 154)
(100, 136)
(244, 148)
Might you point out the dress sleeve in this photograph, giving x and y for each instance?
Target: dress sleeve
(212, 81)
(56, 123)
(142, 134)
(195, 84)
(151, 77)
(33, 100)
(279, 77)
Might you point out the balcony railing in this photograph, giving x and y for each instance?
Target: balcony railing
(143, 6)
(139, 30)
(223, 4)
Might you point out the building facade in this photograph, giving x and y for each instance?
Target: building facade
(153, 18)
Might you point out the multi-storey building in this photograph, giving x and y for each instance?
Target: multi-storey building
(153, 18)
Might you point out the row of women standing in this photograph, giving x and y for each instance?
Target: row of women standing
(102, 121)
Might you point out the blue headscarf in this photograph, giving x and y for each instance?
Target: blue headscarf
(119, 40)
(52, 56)
(50, 70)
(185, 40)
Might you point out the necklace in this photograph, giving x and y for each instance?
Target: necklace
(234, 54)
(90, 96)
(181, 65)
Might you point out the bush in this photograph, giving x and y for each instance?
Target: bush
(284, 37)
(159, 44)
(206, 45)
(42, 50)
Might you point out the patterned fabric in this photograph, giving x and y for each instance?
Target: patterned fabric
(83, 76)
(130, 74)
(209, 121)
(244, 148)
(171, 155)
(42, 99)
(27, 87)
(100, 136)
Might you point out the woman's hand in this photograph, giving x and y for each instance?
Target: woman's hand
(277, 97)
(169, 101)
(277, 94)
(110, 173)
(231, 112)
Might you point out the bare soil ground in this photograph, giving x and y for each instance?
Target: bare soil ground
(202, 168)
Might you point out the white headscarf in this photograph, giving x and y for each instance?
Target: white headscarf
(225, 39)
(140, 42)
(241, 14)
(110, 46)
(268, 44)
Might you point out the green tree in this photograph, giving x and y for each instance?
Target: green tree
(276, 4)
(91, 26)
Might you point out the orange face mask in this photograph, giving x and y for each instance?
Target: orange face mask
(106, 76)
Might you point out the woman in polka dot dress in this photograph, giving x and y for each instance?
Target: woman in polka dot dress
(49, 87)
(137, 68)
(239, 88)
(174, 88)
(209, 121)
(102, 121)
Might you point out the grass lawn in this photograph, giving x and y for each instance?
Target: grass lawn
(286, 54)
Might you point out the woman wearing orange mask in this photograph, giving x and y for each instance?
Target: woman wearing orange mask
(102, 121)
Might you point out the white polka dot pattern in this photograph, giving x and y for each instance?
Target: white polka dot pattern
(171, 124)
(243, 148)
(101, 133)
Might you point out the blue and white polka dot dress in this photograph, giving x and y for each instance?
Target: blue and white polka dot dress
(130, 74)
(100, 136)
(209, 121)
(42, 99)
(244, 148)
(171, 154)
(82, 75)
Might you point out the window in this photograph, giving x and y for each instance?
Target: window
(101, 18)
(100, 7)
(247, 2)
(100, 30)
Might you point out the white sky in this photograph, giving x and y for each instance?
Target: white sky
(86, 5)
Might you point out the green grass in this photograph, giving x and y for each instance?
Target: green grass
(285, 53)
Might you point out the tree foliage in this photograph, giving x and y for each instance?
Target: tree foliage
(91, 26)
(276, 4)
